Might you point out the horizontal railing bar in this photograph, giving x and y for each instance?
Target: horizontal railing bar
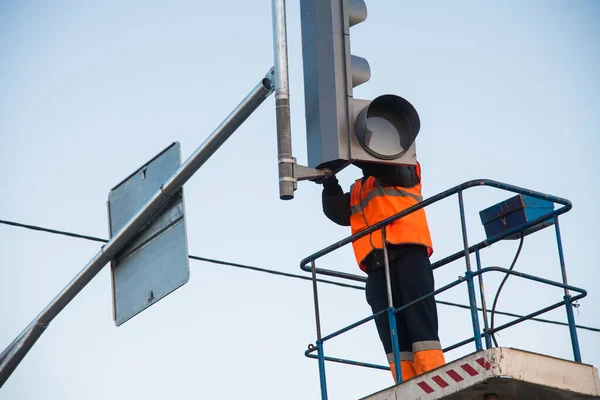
(507, 325)
(350, 362)
(453, 257)
(508, 314)
(459, 344)
(567, 205)
(582, 292)
(354, 325)
(344, 275)
(528, 316)
(531, 277)
(490, 241)
(435, 292)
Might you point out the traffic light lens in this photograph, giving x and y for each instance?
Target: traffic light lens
(383, 138)
(387, 127)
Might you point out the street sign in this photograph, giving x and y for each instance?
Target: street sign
(155, 262)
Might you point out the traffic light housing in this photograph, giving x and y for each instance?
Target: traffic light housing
(341, 129)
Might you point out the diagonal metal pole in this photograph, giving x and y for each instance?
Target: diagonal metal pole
(16, 351)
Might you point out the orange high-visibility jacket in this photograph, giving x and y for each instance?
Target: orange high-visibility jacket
(371, 202)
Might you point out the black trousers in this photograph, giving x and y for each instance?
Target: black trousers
(411, 278)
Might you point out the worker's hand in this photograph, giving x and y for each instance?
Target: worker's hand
(330, 181)
(323, 174)
(331, 186)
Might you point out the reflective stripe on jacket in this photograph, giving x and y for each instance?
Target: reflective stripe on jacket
(372, 202)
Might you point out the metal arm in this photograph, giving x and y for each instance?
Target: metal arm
(16, 351)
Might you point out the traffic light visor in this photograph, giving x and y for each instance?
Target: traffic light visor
(387, 127)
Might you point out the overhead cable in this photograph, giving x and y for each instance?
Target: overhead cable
(273, 272)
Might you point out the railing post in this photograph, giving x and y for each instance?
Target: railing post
(469, 276)
(567, 297)
(486, 327)
(572, 329)
(395, 345)
(321, 356)
(391, 315)
(316, 298)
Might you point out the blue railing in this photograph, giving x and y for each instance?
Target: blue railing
(468, 278)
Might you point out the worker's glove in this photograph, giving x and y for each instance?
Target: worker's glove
(323, 175)
(331, 186)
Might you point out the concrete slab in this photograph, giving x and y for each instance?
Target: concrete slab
(507, 373)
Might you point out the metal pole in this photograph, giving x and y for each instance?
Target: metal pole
(395, 345)
(388, 279)
(322, 378)
(391, 315)
(316, 297)
(469, 276)
(486, 327)
(13, 344)
(15, 352)
(567, 297)
(286, 161)
(572, 329)
(561, 256)
(19, 349)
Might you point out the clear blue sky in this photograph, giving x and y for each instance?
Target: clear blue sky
(91, 90)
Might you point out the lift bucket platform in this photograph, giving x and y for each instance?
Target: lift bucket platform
(504, 372)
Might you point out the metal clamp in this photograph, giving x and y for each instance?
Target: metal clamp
(303, 173)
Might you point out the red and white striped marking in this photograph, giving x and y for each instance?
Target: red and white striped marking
(452, 375)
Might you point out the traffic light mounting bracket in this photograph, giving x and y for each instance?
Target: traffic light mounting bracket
(303, 173)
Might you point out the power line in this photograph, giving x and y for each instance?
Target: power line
(210, 260)
(273, 272)
(54, 231)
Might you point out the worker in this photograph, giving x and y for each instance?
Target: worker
(383, 191)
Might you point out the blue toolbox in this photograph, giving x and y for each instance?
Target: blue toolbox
(514, 212)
